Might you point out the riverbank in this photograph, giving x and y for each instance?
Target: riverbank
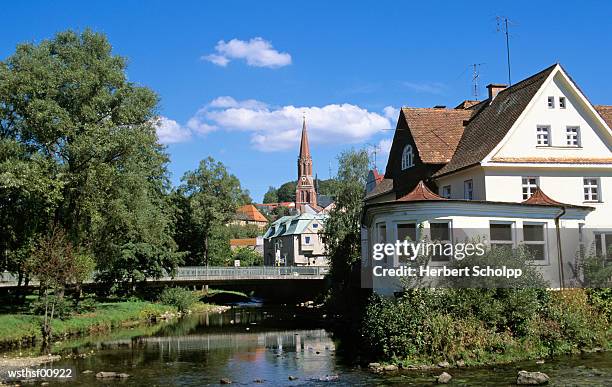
(23, 330)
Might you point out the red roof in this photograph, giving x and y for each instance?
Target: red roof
(539, 197)
(377, 176)
(420, 192)
(251, 213)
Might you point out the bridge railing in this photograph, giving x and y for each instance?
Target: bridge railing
(248, 271)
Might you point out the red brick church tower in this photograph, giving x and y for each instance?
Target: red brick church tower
(305, 192)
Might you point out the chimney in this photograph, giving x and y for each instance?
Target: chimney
(494, 89)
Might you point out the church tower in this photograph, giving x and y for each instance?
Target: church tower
(305, 192)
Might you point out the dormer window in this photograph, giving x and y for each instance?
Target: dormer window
(561, 102)
(407, 157)
(551, 102)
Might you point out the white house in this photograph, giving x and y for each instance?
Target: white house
(296, 241)
(530, 165)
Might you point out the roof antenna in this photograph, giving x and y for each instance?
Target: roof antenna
(374, 153)
(502, 26)
(475, 77)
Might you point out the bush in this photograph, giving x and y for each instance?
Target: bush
(88, 304)
(248, 257)
(180, 298)
(602, 300)
(63, 307)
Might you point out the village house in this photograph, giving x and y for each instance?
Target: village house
(531, 165)
(249, 215)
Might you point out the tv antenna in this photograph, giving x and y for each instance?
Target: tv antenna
(502, 26)
(374, 153)
(475, 77)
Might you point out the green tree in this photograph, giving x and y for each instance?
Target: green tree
(85, 138)
(210, 197)
(271, 196)
(286, 192)
(248, 257)
(342, 230)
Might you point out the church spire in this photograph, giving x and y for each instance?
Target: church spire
(305, 191)
(304, 148)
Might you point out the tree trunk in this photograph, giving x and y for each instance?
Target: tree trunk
(206, 249)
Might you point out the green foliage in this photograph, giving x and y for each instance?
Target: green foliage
(180, 298)
(78, 148)
(342, 230)
(602, 300)
(286, 192)
(271, 196)
(248, 257)
(206, 201)
(481, 325)
(237, 231)
(63, 307)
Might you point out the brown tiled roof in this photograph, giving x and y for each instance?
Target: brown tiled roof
(243, 242)
(420, 192)
(251, 213)
(554, 160)
(605, 112)
(436, 132)
(467, 104)
(383, 187)
(539, 197)
(493, 121)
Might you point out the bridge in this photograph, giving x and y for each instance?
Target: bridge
(217, 275)
(281, 283)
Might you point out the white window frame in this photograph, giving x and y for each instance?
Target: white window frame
(446, 191)
(600, 238)
(407, 157)
(551, 102)
(397, 237)
(588, 186)
(528, 188)
(448, 222)
(511, 242)
(543, 135)
(572, 136)
(468, 189)
(562, 103)
(544, 261)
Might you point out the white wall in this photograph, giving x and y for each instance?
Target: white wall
(456, 181)
(595, 142)
(562, 185)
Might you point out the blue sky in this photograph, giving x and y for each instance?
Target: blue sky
(347, 65)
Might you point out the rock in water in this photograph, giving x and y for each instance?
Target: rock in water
(532, 378)
(291, 377)
(444, 378)
(390, 368)
(225, 381)
(106, 375)
(444, 364)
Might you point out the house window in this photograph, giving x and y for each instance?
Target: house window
(501, 235)
(315, 225)
(307, 240)
(543, 135)
(407, 157)
(603, 245)
(573, 135)
(440, 232)
(406, 231)
(591, 189)
(535, 241)
(468, 190)
(529, 186)
(446, 191)
(381, 233)
(561, 102)
(551, 102)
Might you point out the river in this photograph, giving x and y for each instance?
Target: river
(270, 346)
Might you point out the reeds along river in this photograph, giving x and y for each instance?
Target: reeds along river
(275, 347)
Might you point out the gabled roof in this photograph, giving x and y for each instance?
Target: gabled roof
(383, 187)
(436, 132)
(539, 197)
(605, 112)
(420, 192)
(291, 225)
(493, 121)
(251, 213)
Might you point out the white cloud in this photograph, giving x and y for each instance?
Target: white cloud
(257, 52)
(391, 113)
(427, 87)
(278, 128)
(384, 147)
(170, 131)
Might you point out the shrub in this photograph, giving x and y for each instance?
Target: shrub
(180, 298)
(602, 300)
(63, 307)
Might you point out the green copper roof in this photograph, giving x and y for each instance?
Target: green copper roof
(291, 225)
